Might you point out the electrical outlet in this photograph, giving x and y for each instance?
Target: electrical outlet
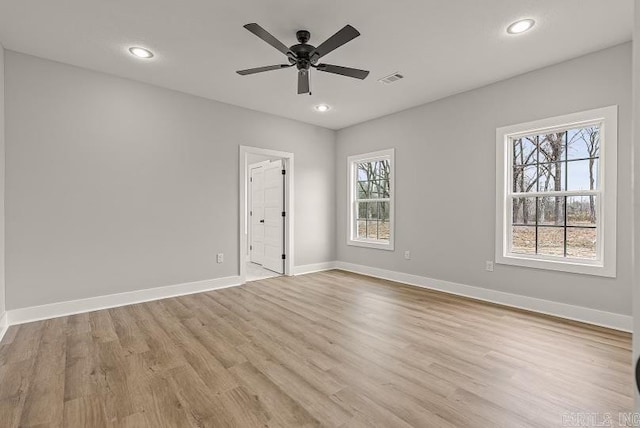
(220, 257)
(407, 255)
(489, 266)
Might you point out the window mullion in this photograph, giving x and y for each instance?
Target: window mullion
(566, 186)
(374, 200)
(560, 193)
(536, 225)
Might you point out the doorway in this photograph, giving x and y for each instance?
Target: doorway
(266, 224)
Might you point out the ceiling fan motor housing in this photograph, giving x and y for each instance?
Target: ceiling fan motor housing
(302, 51)
(303, 36)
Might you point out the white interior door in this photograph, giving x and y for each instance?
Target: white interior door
(256, 245)
(273, 220)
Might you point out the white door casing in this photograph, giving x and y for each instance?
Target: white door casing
(256, 187)
(273, 218)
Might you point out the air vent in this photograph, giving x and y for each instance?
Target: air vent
(391, 78)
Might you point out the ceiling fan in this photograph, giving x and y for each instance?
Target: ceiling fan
(305, 56)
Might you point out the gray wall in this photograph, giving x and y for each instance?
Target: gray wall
(114, 185)
(2, 287)
(448, 146)
(636, 195)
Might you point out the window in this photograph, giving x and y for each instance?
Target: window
(371, 181)
(556, 193)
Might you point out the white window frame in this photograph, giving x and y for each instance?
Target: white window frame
(352, 162)
(605, 263)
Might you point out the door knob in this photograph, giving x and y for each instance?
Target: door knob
(262, 221)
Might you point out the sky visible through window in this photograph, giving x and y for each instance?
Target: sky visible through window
(578, 150)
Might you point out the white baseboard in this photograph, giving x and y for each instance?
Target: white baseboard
(4, 325)
(59, 309)
(562, 310)
(315, 267)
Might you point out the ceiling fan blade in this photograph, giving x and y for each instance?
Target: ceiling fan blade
(344, 71)
(267, 37)
(343, 36)
(261, 69)
(303, 81)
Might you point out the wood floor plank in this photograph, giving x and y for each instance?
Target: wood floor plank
(161, 406)
(112, 369)
(282, 409)
(84, 412)
(327, 349)
(204, 406)
(367, 413)
(83, 373)
(317, 403)
(214, 342)
(102, 326)
(15, 381)
(25, 345)
(205, 364)
(128, 333)
(44, 402)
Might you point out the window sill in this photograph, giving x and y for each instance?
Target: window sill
(371, 244)
(571, 266)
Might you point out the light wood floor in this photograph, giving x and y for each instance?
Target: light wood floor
(333, 349)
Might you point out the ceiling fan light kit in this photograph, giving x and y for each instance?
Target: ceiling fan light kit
(305, 56)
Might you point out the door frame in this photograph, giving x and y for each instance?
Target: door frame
(243, 189)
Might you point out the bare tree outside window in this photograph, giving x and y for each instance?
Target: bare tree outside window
(373, 192)
(561, 164)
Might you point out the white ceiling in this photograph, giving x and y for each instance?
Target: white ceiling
(441, 46)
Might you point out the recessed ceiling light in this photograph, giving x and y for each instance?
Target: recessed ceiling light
(520, 26)
(141, 52)
(322, 108)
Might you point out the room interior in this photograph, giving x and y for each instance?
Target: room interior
(414, 289)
